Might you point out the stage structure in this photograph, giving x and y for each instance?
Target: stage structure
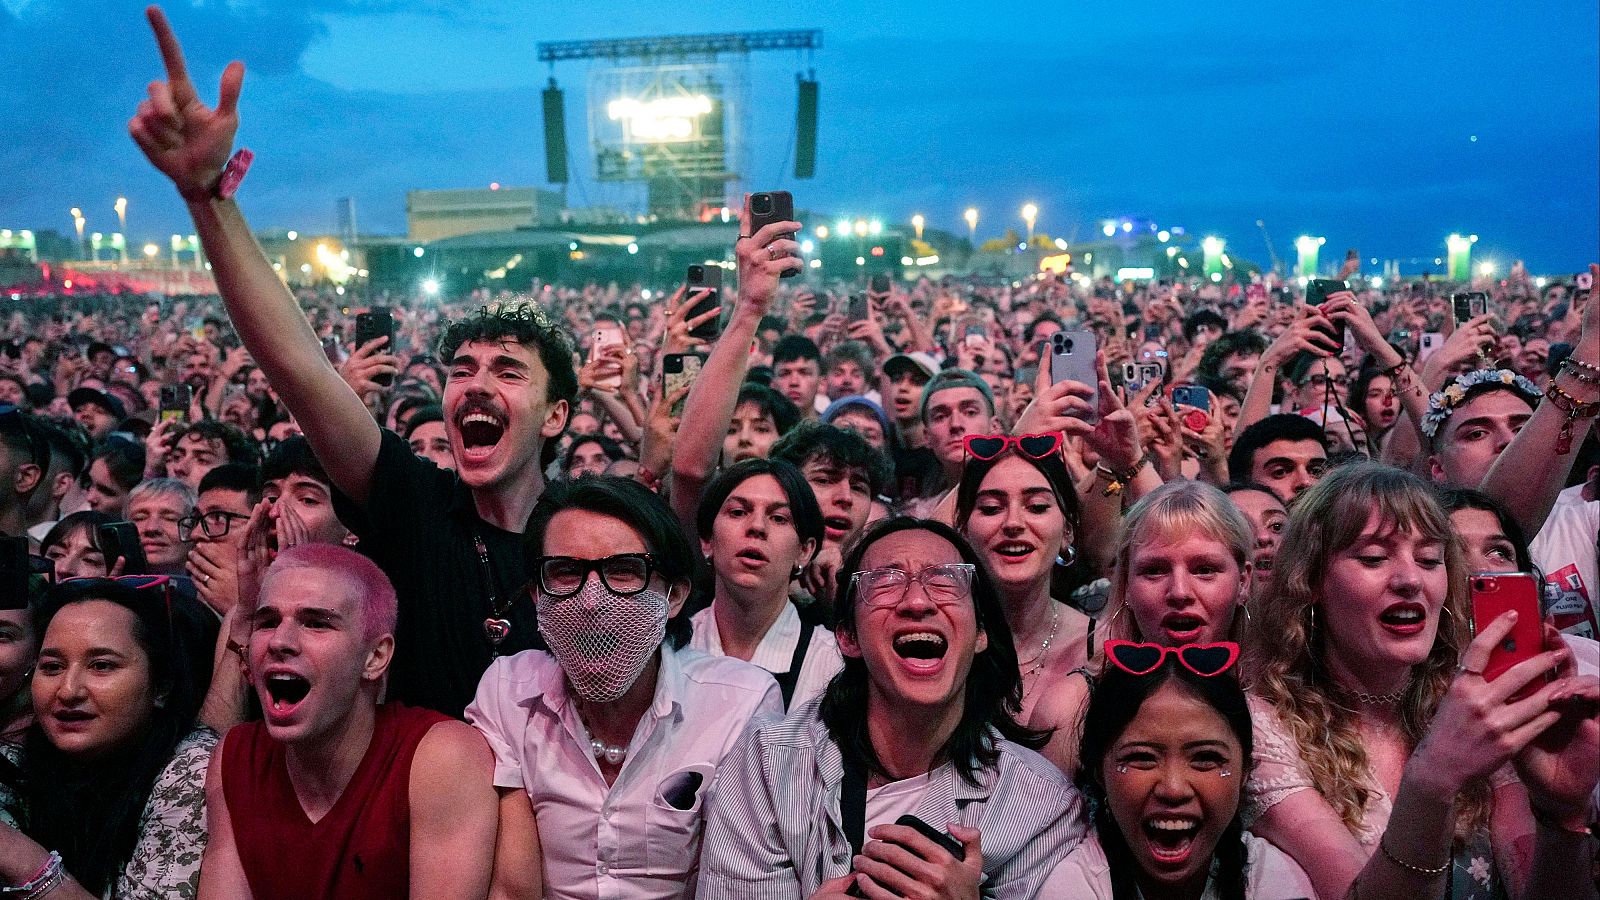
(672, 113)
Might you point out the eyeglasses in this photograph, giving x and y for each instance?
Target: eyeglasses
(1033, 446)
(214, 524)
(1205, 660)
(944, 584)
(1339, 381)
(626, 573)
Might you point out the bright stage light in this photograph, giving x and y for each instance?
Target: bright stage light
(660, 119)
(431, 287)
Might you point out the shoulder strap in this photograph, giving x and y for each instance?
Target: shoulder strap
(788, 680)
(853, 803)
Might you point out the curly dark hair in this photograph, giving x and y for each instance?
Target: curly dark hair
(526, 324)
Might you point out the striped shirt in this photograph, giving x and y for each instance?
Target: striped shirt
(774, 830)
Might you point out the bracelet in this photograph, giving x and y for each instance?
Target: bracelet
(1582, 371)
(241, 650)
(1115, 480)
(1574, 408)
(1569, 362)
(1431, 873)
(49, 878)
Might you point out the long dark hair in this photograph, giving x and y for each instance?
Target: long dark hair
(993, 696)
(90, 810)
(1063, 579)
(1114, 705)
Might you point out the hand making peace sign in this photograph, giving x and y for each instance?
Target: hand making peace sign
(182, 137)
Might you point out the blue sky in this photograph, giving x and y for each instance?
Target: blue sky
(1354, 121)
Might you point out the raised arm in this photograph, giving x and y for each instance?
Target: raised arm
(1301, 335)
(190, 143)
(763, 257)
(1534, 467)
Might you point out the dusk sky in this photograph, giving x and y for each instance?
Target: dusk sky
(1381, 125)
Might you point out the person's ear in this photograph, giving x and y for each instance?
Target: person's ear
(809, 551)
(848, 645)
(27, 478)
(680, 590)
(1247, 582)
(982, 643)
(1435, 469)
(705, 549)
(378, 659)
(555, 420)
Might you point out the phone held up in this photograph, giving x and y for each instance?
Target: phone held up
(1469, 305)
(705, 278)
(375, 323)
(175, 401)
(767, 207)
(120, 540)
(1496, 593)
(1072, 358)
(679, 370)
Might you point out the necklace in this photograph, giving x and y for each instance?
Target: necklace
(1373, 699)
(611, 753)
(497, 627)
(1038, 660)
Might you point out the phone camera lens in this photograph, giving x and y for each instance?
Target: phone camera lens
(1067, 343)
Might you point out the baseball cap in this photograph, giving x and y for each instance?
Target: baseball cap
(919, 360)
(954, 378)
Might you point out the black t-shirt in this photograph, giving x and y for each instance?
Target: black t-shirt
(917, 473)
(418, 526)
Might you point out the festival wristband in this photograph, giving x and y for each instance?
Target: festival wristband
(233, 173)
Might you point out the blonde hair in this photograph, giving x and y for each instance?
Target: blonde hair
(1288, 649)
(1176, 507)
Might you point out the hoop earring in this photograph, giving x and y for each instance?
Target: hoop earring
(1071, 557)
(798, 570)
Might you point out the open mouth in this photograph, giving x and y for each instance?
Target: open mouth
(921, 650)
(1012, 551)
(1404, 618)
(1183, 628)
(1264, 562)
(752, 556)
(835, 528)
(72, 718)
(1171, 838)
(286, 691)
(480, 430)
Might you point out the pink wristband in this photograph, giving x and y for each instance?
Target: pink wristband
(233, 173)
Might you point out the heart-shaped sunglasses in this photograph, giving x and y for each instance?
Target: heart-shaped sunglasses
(1033, 446)
(1205, 660)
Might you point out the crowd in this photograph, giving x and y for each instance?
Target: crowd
(1048, 588)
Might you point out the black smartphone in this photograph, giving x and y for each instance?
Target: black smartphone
(859, 308)
(175, 401)
(376, 323)
(1319, 289)
(1469, 305)
(702, 278)
(767, 207)
(956, 848)
(879, 283)
(121, 540)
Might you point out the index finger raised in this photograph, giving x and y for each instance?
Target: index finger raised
(171, 52)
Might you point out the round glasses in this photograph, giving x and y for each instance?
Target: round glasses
(625, 574)
(943, 584)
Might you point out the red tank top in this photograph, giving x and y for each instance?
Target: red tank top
(360, 849)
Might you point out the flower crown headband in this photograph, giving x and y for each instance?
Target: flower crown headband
(1442, 404)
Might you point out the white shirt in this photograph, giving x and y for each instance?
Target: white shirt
(1564, 550)
(626, 841)
(1271, 874)
(776, 650)
(885, 805)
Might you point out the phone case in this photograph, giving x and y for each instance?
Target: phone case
(687, 366)
(698, 279)
(1192, 395)
(1072, 358)
(1494, 594)
(948, 842)
(781, 210)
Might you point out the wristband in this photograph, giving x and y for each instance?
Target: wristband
(233, 173)
(1431, 873)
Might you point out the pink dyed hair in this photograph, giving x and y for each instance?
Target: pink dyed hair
(379, 608)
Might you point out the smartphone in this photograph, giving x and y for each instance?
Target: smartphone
(859, 309)
(703, 278)
(1319, 289)
(974, 335)
(879, 283)
(767, 207)
(1136, 376)
(956, 848)
(120, 540)
(1429, 344)
(603, 338)
(1495, 593)
(377, 323)
(679, 370)
(175, 400)
(1584, 281)
(1072, 358)
(1280, 297)
(1469, 305)
(1192, 395)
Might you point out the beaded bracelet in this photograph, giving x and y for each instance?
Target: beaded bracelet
(1115, 480)
(1431, 873)
(1580, 370)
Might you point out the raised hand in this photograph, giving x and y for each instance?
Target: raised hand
(185, 139)
(763, 257)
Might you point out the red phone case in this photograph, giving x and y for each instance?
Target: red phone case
(1496, 593)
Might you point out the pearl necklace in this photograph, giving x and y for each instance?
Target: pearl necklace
(1044, 649)
(611, 753)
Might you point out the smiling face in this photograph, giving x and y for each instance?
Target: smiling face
(751, 434)
(1267, 517)
(156, 515)
(309, 657)
(1165, 785)
(1183, 586)
(754, 546)
(1475, 435)
(1018, 525)
(1381, 598)
(1484, 543)
(917, 652)
(843, 494)
(496, 412)
(92, 689)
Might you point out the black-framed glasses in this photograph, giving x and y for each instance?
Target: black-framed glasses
(215, 524)
(625, 574)
(945, 584)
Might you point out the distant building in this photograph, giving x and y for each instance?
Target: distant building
(433, 215)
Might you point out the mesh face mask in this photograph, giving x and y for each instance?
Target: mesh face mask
(602, 640)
